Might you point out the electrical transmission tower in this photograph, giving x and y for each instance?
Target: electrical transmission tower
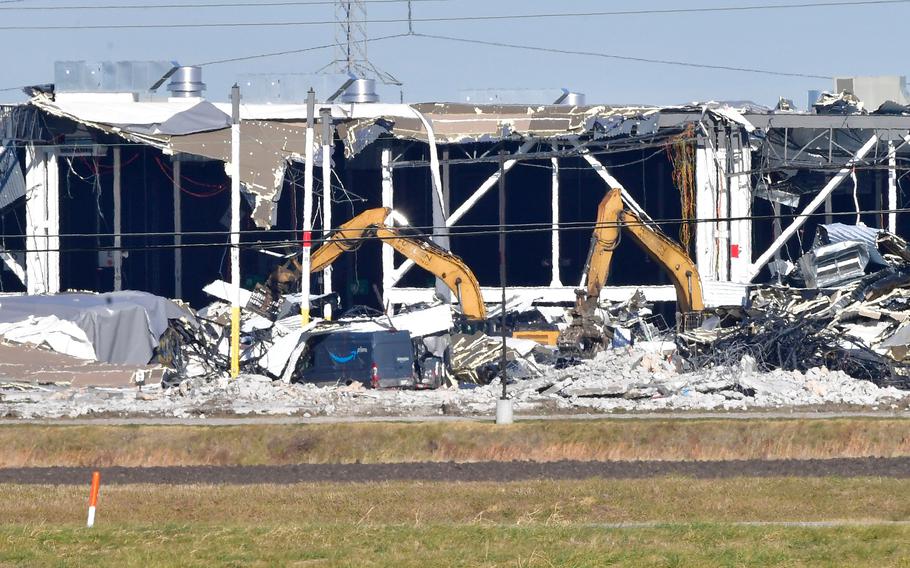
(351, 43)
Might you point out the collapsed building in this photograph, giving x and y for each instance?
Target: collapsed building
(106, 186)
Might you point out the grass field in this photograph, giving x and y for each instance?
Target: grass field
(671, 522)
(664, 521)
(667, 499)
(710, 439)
(445, 545)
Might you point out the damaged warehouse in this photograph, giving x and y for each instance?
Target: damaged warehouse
(789, 221)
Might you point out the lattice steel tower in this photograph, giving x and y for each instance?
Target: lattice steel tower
(351, 43)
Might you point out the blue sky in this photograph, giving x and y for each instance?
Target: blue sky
(850, 40)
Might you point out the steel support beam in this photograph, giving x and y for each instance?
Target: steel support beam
(440, 213)
(307, 207)
(42, 213)
(178, 231)
(892, 187)
(118, 223)
(468, 203)
(327, 146)
(388, 254)
(613, 183)
(13, 265)
(810, 208)
(555, 279)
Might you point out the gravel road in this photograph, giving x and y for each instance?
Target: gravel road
(450, 471)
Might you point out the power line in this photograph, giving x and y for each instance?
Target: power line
(624, 57)
(289, 51)
(442, 19)
(193, 6)
(427, 231)
(256, 56)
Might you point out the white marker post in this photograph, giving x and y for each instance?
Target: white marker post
(93, 498)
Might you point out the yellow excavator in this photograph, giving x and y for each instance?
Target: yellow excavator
(586, 335)
(426, 254)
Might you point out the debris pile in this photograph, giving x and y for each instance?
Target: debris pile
(850, 314)
(637, 380)
(619, 380)
(834, 330)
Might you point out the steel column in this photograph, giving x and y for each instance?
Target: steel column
(468, 203)
(178, 230)
(118, 222)
(388, 254)
(555, 279)
(810, 208)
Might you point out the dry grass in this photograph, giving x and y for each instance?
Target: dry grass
(457, 546)
(401, 524)
(710, 439)
(530, 546)
(551, 503)
(528, 524)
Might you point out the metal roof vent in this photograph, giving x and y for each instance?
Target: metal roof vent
(570, 98)
(186, 83)
(361, 91)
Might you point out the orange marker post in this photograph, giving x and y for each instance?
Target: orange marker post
(93, 498)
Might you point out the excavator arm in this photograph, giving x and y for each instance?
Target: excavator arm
(347, 237)
(672, 258)
(587, 334)
(443, 264)
(611, 218)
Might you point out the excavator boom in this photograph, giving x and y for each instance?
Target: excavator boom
(613, 217)
(587, 333)
(347, 237)
(445, 265)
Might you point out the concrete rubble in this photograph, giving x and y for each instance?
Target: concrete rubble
(827, 334)
(621, 380)
(848, 315)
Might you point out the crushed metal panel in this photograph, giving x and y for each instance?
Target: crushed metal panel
(14, 262)
(466, 123)
(840, 232)
(834, 264)
(202, 117)
(12, 182)
(267, 148)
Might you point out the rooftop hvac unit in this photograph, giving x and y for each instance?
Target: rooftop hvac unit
(108, 76)
(186, 83)
(874, 91)
(361, 91)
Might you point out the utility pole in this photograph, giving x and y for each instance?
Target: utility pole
(235, 231)
(307, 210)
(325, 116)
(504, 404)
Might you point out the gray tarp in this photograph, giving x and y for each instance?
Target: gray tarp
(123, 327)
